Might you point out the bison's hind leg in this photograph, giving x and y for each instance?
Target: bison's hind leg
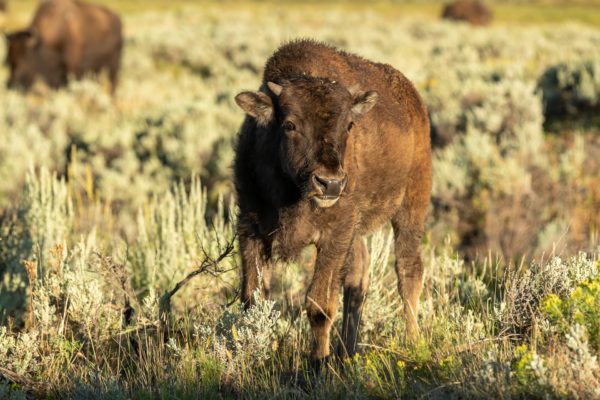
(408, 224)
(113, 72)
(356, 283)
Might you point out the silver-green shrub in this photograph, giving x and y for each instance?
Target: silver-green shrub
(246, 339)
(42, 221)
(524, 292)
(571, 87)
(500, 185)
(175, 235)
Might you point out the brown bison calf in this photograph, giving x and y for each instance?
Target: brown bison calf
(65, 37)
(334, 146)
(471, 11)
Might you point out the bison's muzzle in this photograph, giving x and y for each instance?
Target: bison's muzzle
(328, 189)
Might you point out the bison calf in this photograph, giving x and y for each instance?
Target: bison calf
(333, 147)
(65, 37)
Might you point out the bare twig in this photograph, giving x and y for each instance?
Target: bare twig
(23, 381)
(469, 346)
(208, 265)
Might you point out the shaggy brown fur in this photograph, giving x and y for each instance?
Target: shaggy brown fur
(2, 5)
(333, 147)
(472, 11)
(65, 37)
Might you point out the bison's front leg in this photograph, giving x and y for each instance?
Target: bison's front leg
(323, 293)
(256, 265)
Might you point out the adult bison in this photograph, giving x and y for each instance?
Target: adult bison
(65, 37)
(3, 9)
(333, 147)
(472, 11)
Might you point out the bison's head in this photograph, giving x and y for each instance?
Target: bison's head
(312, 119)
(18, 58)
(28, 59)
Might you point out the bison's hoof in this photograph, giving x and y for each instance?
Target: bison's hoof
(320, 364)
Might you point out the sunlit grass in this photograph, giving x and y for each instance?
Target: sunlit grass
(525, 12)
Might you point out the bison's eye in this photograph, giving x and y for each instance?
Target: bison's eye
(289, 126)
(350, 126)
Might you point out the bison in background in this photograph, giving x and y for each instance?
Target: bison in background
(65, 37)
(3, 9)
(472, 11)
(333, 147)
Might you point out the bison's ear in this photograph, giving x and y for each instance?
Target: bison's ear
(257, 105)
(363, 102)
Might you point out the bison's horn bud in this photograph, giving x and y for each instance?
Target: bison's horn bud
(275, 88)
(354, 89)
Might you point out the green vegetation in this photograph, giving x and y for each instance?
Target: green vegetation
(520, 12)
(105, 205)
(581, 307)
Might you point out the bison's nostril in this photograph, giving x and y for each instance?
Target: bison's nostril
(320, 183)
(329, 187)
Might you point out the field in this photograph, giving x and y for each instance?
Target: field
(107, 204)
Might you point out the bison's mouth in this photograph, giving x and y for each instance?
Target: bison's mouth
(325, 201)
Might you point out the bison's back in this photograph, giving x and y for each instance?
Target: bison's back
(64, 24)
(98, 22)
(471, 11)
(101, 35)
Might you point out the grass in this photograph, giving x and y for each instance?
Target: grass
(88, 335)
